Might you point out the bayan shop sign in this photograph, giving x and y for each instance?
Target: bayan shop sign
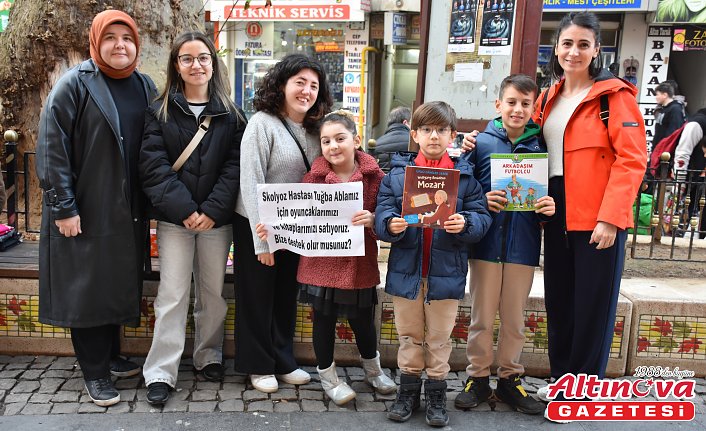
(305, 10)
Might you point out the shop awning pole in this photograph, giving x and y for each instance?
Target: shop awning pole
(361, 109)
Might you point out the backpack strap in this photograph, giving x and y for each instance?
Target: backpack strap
(542, 105)
(605, 111)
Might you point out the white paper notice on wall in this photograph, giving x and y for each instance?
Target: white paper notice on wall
(468, 72)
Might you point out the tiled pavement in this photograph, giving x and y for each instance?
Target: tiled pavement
(43, 385)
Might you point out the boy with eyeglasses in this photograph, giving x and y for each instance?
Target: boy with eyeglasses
(502, 263)
(427, 268)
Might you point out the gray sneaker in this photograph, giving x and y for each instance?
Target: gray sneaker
(102, 392)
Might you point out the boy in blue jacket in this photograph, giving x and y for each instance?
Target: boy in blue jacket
(502, 263)
(426, 273)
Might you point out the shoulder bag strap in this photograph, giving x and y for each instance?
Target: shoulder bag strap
(195, 141)
(301, 149)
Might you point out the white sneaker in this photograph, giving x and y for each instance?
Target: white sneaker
(296, 377)
(543, 394)
(264, 382)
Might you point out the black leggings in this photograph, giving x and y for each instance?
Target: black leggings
(324, 335)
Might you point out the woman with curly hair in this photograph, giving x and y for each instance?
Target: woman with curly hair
(279, 145)
(681, 11)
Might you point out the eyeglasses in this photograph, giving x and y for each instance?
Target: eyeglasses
(187, 60)
(441, 131)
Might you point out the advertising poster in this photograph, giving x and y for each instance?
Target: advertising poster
(523, 177)
(312, 219)
(463, 26)
(689, 38)
(496, 28)
(429, 196)
(254, 41)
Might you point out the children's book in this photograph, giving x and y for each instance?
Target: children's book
(523, 177)
(429, 196)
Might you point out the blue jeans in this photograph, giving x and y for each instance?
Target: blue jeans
(181, 253)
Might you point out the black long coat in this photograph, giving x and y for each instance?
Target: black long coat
(94, 278)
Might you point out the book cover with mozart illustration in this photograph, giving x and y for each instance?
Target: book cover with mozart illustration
(429, 196)
(523, 177)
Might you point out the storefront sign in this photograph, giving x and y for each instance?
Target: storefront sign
(355, 41)
(254, 41)
(655, 71)
(281, 10)
(351, 93)
(395, 28)
(689, 38)
(594, 5)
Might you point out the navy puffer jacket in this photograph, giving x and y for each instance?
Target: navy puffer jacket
(449, 252)
(513, 237)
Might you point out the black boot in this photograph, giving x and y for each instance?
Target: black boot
(510, 391)
(435, 394)
(407, 400)
(476, 391)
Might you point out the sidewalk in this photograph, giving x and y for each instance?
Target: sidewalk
(47, 393)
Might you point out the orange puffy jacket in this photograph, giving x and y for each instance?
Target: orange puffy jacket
(603, 168)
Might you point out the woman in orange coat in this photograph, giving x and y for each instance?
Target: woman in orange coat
(595, 169)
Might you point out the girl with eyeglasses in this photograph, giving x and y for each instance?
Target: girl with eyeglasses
(194, 205)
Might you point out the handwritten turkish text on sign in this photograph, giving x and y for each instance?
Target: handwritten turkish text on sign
(312, 219)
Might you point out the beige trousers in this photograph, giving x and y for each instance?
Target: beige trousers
(502, 287)
(419, 351)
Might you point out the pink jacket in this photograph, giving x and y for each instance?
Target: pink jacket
(350, 272)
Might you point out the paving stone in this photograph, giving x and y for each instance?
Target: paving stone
(65, 363)
(25, 386)
(31, 374)
(364, 397)
(121, 407)
(36, 409)
(205, 385)
(17, 398)
(59, 374)
(231, 405)
(535, 381)
(286, 407)
(17, 366)
(284, 394)
(74, 385)
(230, 394)
(254, 394)
(234, 387)
(44, 360)
(132, 383)
(311, 386)
(356, 378)
(235, 379)
(309, 369)
(5, 359)
(50, 386)
(286, 386)
(369, 406)
(22, 359)
(700, 389)
(10, 374)
(347, 407)
(40, 398)
(260, 406)
(85, 398)
(128, 395)
(355, 371)
(361, 387)
(12, 409)
(203, 407)
(145, 407)
(184, 384)
(91, 408)
(311, 395)
(313, 406)
(385, 397)
(174, 405)
(204, 396)
(141, 394)
(65, 408)
(65, 397)
(2, 394)
(6, 384)
(180, 394)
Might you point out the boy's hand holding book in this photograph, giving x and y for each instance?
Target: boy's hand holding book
(455, 223)
(496, 200)
(545, 205)
(397, 225)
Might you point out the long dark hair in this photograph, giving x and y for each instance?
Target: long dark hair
(217, 86)
(269, 96)
(589, 21)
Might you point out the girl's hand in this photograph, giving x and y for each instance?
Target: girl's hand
(190, 222)
(545, 205)
(364, 218)
(266, 259)
(603, 235)
(203, 223)
(397, 225)
(469, 141)
(261, 231)
(455, 223)
(496, 200)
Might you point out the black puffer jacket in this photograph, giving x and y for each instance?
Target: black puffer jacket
(209, 180)
(395, 139)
